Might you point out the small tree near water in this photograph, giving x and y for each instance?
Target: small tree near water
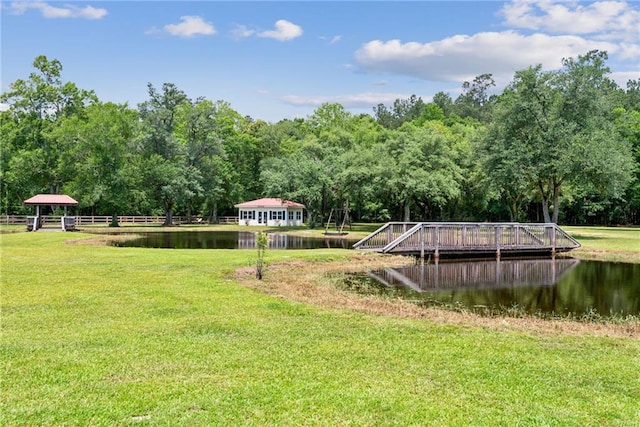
(263, 243)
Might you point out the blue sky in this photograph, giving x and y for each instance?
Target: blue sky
(276, 60)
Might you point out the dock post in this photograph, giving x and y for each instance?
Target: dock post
(464, 235)
(553, 241)
(422, 244)
(436, 255)
(498, 238)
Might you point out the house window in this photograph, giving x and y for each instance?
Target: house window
(290, 215)
(299, 215)
(247, 215)
(277, 215)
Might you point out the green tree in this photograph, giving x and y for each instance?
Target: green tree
(204, 155)
(420, 169)
(262, 242)
(632, 95)
(162, 163)
(444, 101)
(240, 170)
(403, 111)
(32, 155)
(306, 176)
(553, 130)
(628, 125)
(100, 158)
(475, 101)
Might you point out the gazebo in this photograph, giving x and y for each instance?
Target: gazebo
(35, 222)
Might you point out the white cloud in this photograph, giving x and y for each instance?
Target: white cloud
(190, 26)
(284, 30)
(66, 11)
(608, 20)
(241, 32)
(622, 77)
(461, 57)
(332, 40)
(629, 51)
(361, 100)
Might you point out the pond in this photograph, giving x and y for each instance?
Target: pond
(229, 240)
(535, 286)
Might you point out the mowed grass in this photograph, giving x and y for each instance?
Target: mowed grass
(103, 336)
(617, 244)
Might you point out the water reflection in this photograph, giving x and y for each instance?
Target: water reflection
(559, 286)
(477, 275)
(229, 240)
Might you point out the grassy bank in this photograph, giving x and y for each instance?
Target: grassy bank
(617, 244)
(97, 335)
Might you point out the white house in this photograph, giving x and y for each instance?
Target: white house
(271, 212)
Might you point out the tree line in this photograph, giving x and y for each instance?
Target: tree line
(554, 146)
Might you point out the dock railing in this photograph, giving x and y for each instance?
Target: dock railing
(383, 235)
(466, 237)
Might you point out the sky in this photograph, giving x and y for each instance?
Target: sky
(281, 60)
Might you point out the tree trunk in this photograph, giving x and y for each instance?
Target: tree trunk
(545, 211)
(545, 203)
(214, 213)
(556, 203)
(407, 212)
(114, 220)
(512, 211)
(323, 206)
(513, 204)
(168, 220)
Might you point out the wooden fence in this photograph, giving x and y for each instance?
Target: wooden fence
(122, 219)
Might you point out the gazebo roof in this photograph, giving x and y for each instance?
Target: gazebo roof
(51, 199)
(269, 203)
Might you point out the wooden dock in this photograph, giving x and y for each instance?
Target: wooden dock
(467, 239)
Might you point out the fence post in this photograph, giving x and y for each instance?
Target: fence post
(498, 238)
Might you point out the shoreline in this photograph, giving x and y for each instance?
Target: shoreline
(607, 244)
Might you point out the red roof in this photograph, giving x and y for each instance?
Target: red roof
(269, 203)
(51, 199)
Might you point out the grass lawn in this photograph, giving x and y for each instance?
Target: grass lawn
(103, 336)
(607, 243)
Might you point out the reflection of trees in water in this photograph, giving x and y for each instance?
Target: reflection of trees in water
(247, 240)
(604, 286)
(560, 285)
(229, 240)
